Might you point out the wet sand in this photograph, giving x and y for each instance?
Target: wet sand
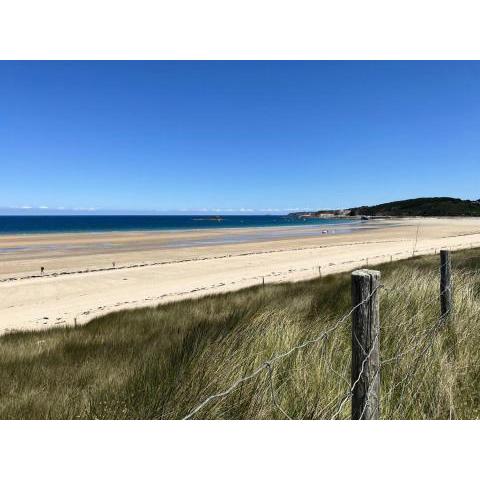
(81, 283)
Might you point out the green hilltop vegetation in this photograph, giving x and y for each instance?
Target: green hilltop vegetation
(415, 207)
(159, 363)
(423, 207)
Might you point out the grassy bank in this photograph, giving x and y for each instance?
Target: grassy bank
(156, 363)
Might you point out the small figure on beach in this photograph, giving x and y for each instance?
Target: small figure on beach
(42, 270)
(113, 264)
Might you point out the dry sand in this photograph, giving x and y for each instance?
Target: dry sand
(155, 267)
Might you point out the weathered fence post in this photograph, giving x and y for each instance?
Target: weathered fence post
(445, 283)
(365, 345)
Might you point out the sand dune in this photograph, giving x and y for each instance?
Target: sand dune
(80, 282)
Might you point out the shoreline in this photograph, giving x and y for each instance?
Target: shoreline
(325, 221)
(92, 237)
(79, 287)
(20, 235)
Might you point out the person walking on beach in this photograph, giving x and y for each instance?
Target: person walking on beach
(42, 270)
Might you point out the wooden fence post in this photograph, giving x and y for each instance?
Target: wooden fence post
(445, 283)
(365, 345)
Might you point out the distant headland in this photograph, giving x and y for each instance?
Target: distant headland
(416, 207)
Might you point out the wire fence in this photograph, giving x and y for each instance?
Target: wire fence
(365, 383)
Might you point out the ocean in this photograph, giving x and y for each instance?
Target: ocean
(10, 224)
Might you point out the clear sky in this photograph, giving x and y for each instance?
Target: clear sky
(256, 135)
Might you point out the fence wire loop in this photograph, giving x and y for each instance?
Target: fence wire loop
(272, 391)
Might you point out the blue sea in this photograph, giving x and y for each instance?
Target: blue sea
(10, 224)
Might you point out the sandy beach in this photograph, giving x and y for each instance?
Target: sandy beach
(81, 283)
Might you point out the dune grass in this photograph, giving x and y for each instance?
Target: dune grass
(158, 363)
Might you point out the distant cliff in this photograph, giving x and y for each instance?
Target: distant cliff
(416, 207)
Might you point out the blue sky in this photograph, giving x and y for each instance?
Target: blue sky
(236, 136)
